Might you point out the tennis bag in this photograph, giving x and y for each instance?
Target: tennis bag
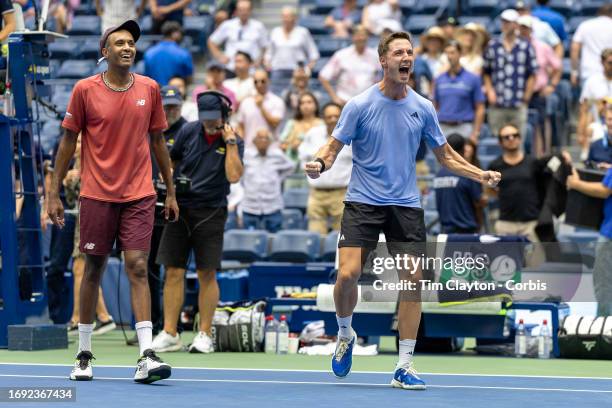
(586, 337)
(239, 326)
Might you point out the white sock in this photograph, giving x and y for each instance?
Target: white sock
(406, 350)
(344, 326)
(144, 331)
(85, 331)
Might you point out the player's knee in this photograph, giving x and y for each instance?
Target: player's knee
(137, 269)
(174, 276)
(206, 276)
(348, 276)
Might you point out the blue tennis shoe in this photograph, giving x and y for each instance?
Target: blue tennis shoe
(342, 360)
(407, 379)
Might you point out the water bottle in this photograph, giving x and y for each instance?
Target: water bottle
(520, 340)
(544, 341)
(271, 334)
(283, 336)
(9, 102)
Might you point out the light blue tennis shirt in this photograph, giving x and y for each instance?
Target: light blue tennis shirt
(385, 135)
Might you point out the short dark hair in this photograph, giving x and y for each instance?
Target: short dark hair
(330, 104)
(457, 142)
(383, 45)
(171, 27)
(245, 55)
(298, 112)
(454, 44)
(509, 124)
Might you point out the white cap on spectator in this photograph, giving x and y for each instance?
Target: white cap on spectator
(510, 15)
(526, 21)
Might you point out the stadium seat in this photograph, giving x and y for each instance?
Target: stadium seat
(295, 246)
(432, 6)
(315, 24)
(324, 7)
(198, 28)
(63, 49)
(489, 147)
(85, 25)
(76, 69)
(293, 219)
(49, 134)
(319, 66)
(139, 68)
(328, 45)
(407, 6)
(574, 22)
(245, 245)
(418, 23)
(486, 159)
(296, 198)
(85, 9)
(330, 244)
(146, 24)
(589, 8)
(60, 100)
(483, 7)
(90, 49)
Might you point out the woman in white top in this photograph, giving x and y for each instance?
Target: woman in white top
(290, 45)
(376, 14)
(472, 45)
(432, 52)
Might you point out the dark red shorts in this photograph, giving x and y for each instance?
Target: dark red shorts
(103, 222)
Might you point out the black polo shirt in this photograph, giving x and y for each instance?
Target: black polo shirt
(204, 164)
(169, 136)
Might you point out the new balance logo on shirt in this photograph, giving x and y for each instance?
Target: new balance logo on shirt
(89, 246)
(140, 102)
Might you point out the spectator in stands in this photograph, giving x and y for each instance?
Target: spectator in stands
(602, 270)
(509, 76)
(306, 117)
(458, 98)
(459, 200)
(432, 50)
(471, 41)
(167, 10)
(354, 68)
(550, 16)
(600, 150)
(223, 10)
(299, 85)
(597, 86)
(541, 30)
(327, 193)
(588, 42)
(597, 128)
(448, 24)
(548, 76)
(421, 79)
(167, 58)
(343, 18)
(519, 202)
(115, 12)
(290, 47)
(215, 78)
(189, 109)
(60, 12)
(262, 110)
(242, 84)
(265, 168)
(241, 33)
(212, 159)
(377, 14)
(72, 186)
(8, 19)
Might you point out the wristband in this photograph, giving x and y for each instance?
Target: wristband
(319, 160)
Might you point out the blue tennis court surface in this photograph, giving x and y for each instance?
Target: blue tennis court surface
(188, 387)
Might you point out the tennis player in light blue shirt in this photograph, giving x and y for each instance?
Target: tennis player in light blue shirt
(384, 125)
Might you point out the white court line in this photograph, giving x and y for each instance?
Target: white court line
(289, 370)
(234, 381)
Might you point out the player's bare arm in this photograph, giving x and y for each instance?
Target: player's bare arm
(327, 155)
(454, 162)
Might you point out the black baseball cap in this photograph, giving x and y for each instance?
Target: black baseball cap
(130, 25)
(171, 96)
(209, 106)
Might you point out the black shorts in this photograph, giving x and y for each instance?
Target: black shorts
(198, 229)
(404, 227)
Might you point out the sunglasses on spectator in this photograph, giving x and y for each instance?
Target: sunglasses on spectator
(260, 81)
(510, 136)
